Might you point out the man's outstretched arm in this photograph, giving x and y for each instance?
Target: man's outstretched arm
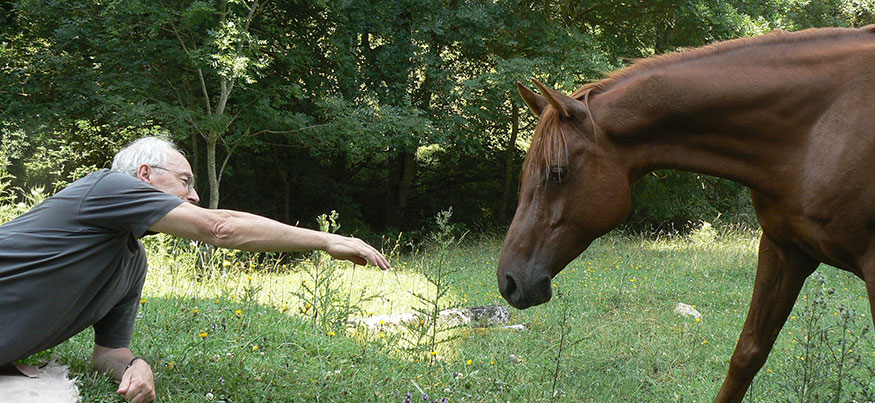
(137, 383)
(239, 230)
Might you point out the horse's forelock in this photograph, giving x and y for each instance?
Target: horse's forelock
(549, 146)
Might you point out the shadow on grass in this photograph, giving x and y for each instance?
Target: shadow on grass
(203, 349)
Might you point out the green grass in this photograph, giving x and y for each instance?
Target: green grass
(623, 342)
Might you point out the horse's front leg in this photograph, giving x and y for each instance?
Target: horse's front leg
(780, 276)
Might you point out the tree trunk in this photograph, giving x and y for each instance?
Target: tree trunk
(195, 158)
(509, 153)
(211, 169)
(402, 174)
(284, 180)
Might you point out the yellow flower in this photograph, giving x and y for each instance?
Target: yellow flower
(250, 278)
(195, 311)
(492, 362)
(469, 362)
(434, 353)
(382, 322)
(332, 334)
(382, 335)
(238, 312)
(143, 301)
(169, 365)
(226, 263)
(698, 320)
(204, 335)
(255, 347)
(704, 341)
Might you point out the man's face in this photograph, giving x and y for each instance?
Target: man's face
(175, 177)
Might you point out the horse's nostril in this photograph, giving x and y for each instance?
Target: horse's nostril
(510, 286)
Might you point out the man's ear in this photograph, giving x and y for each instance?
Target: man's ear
(144, 173)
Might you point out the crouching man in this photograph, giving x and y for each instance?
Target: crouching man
(76, 260)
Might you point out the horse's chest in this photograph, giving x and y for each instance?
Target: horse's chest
(828, 236)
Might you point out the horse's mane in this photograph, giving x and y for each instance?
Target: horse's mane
(775, 37)
(549, 141)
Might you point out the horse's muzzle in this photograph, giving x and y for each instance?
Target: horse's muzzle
(524, 294)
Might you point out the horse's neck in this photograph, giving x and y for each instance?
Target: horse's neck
(742, 118)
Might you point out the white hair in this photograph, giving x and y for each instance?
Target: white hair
(151, 151)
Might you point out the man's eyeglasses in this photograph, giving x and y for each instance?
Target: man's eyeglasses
(187, 180)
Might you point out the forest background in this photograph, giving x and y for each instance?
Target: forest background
(387, 111)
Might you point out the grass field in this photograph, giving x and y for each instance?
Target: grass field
(241, 329)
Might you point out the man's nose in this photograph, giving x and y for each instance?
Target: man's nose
(192, 197)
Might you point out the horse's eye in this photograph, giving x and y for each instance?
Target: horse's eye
(556, 173)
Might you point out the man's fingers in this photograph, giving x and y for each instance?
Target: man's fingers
(125, 384)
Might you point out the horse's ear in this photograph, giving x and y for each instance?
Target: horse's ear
(536, 102)
(567, 106)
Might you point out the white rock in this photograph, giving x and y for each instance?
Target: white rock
(687, 310)
(48, 384)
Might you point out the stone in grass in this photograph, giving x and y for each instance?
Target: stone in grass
(48, 384)
(478, 316)
(687, 310)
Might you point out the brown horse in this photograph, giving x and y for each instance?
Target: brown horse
(790, 115)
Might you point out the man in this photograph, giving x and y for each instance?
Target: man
(75, 260)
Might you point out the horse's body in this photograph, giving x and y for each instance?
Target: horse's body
(791, 116)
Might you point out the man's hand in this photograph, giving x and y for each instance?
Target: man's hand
(138, 384)
(355, 250)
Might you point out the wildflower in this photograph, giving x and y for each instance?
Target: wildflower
(434, 353)
(469, 362)
(250, 278)
(491, 362)
(226, 263)
(698, 320)
(382, 335)
(238, 312)
(143, 301)
(195, 311)
(332, 334)
(255, 347)
(169, 365)
(704, 341)
(204, 335)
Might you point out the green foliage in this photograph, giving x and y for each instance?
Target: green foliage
(329, 103)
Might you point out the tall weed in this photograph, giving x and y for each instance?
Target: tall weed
(425, 335)
(322, 294)
(829, 358)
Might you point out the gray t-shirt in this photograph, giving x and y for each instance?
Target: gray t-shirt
(76, 260)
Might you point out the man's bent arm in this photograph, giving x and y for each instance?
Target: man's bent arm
(239, 230)
(137, 383)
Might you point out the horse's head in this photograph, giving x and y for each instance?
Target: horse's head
(574, 188)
